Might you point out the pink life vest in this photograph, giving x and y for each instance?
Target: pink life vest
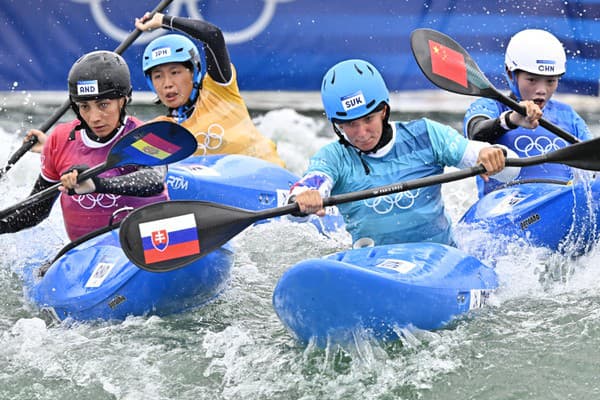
(85, 213)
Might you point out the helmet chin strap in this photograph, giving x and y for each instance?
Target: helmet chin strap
(183, 112)
(511, 77)
(341, 137)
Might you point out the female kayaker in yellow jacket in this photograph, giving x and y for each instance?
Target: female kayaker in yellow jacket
(209, 104)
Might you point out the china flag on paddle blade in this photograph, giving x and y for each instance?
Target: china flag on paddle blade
(448, 63)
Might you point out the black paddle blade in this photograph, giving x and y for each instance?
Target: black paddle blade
(168, 235)
(584, 155)
(447, 65)
(154, 143)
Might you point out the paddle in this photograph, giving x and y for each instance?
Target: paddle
(155, 143)
(26, 146)
(169, 235)
(447, 65)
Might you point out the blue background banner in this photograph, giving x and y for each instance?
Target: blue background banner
(289, 44)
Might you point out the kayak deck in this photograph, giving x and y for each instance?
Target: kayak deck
(563, 218)
(96, 281)
(380, 289)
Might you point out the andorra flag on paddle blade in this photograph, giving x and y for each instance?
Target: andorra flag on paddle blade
(448, 63)
(155, 146)
(169, 238)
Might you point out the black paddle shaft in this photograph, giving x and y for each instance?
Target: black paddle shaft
(445, 72)
(216, 224)
(53, 190)
(583, 155)
(25, 147)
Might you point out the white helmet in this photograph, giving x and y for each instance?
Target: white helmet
(537, 52)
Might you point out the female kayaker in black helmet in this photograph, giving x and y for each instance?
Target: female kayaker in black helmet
(99, 90)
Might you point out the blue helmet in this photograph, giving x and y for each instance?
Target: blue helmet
(352, 89)
(172, 48)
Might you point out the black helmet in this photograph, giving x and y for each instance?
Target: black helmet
(99, 75)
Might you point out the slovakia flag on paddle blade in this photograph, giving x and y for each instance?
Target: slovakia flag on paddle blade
(448, 63)
(169, 238)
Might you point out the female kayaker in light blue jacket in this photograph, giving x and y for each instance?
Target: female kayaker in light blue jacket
(372, 151)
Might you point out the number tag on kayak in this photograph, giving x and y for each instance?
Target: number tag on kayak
(401, 266)
(506, 205)
(100, 273)
(478, 298)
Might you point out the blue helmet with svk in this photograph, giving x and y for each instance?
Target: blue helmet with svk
(352, 89)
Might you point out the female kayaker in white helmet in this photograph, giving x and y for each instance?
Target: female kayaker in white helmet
(534, 63)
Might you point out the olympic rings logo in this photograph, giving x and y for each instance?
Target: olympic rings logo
(540, 145)
(385, 204)
(102, 200)
(193, 11)
(211, 140)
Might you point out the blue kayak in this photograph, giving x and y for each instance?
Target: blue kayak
(242, 182)
(560, 217)
(95, 280)
(380, 289)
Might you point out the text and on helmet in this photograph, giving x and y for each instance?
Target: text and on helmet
(87, 87)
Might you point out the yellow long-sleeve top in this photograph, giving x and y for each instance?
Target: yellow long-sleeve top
(222, 125)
